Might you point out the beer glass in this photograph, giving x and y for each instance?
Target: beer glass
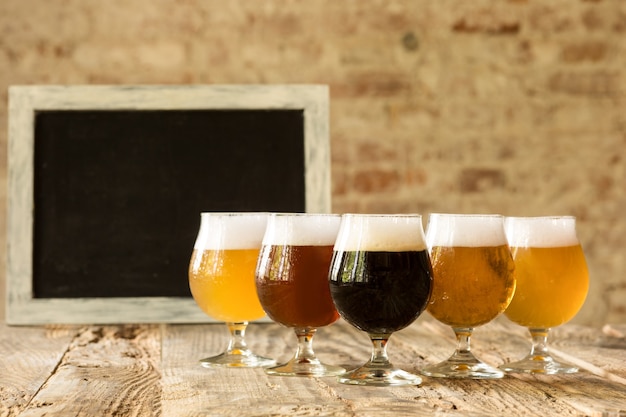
(221, 279)
(380, 281)
(292, 284)
(552, 283)
(473, 283)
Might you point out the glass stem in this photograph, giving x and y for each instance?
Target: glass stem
(539, 349)
(463, 338)
(379, 357)
(237, 344)
(304, 353)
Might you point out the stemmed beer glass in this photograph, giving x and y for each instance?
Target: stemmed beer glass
(221, 279)
(292, 284)
(380, 281)
(552, 284)
(473, 283)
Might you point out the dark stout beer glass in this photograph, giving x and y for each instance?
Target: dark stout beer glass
(380, 281)
(292, 284)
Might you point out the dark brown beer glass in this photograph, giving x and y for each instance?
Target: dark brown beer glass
(292, 284)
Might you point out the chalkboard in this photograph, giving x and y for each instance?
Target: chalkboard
(106, 187)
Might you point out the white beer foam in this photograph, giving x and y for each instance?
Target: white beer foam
(377, 233)
(301, 229)
(466, 230)
(541, 232)
(231, 231)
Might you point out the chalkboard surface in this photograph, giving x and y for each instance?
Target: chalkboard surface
(138, 180)
(106, 185)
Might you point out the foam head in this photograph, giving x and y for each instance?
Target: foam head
(468, 230)
(541, 232)
(381, 232)
(301, 229)
(231, 231)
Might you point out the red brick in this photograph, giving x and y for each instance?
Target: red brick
(376, 84)
(416, 176)
(375, 150)
(488, 20)
(592, 51)
(549, 18)
(601, 82)
(481, 179)
(592, 19)
(376, 180)
(494, 28)
(339, 183)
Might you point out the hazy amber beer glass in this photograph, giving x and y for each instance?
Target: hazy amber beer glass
(473, 283)
(221, 279)
(552, 284)
(292, 283)
(380, 281)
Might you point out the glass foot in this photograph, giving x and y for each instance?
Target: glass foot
(379, 376)
(468, 367)
(237, 360)
(539, 364)
(305, 367)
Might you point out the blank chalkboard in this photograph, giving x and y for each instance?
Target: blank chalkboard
(137, 180)
(116, 188)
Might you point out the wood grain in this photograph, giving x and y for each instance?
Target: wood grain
(153, 370)
(28, 358)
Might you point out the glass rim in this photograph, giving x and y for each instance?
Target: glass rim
(553, 217)
(303, 214)
(469, 215)
(381, 215)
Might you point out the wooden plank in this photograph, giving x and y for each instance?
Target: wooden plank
(587, 392)
(151, 370)
(591, 349)
(191, 390)
(107, 371)
(28, 357)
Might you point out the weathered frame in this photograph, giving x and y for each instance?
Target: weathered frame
(24, 101)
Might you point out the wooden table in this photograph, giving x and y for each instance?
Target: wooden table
(146, 370)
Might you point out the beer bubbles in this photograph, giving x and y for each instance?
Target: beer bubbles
(473, 284)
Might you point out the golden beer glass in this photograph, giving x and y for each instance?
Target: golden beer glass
(552, 284)
(221, 279)
(292, 284)
(473, 282)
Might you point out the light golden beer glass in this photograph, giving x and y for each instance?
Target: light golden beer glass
(221, 279)
(473, 282)
(552, 284)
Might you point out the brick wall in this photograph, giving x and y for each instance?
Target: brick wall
(515, 107)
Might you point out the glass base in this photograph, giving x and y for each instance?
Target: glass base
(305, 367)
(539, 364)
(237, 360)
(462, 367)
(379, 376)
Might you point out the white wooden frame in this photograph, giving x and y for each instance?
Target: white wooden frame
(24, 101)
